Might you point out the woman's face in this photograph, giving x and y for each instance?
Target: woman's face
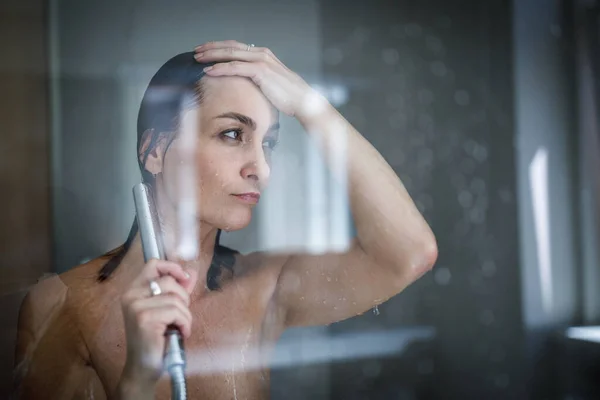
(221, 156)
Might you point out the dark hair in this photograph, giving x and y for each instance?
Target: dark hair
(175, 87)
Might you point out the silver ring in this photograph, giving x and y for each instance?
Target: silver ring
(155, 288)
(249, 47)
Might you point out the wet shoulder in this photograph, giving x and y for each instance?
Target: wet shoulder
(260, 264)
(59, 295)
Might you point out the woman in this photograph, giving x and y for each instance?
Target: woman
(98, 329)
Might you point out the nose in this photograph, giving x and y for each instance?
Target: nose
(257, 166)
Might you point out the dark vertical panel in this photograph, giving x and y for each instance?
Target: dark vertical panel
(25, 242)
(430, 85)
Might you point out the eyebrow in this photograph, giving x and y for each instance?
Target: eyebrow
(246, 120)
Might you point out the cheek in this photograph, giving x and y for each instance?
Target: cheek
(213, 176)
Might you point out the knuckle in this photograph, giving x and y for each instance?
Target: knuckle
(174, 301)
(135, 307)
(167, 281)
(264, 56)
(127, 298)
(262, 65)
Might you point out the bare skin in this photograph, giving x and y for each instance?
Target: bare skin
(79, 338)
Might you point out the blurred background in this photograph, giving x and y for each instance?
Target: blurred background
(487, 110)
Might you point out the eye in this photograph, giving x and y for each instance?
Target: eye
(233, 134)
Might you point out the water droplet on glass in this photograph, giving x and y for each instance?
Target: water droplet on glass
(376, 310)
(477, 216)
(462, 97)
(360, 35)
(338, 95)
(488, 268)
(480, 153)
(478, 186)
(390, 56)
(469, 146)
(302, 298)
(465, 199)
(328, 279)
(442, 276)
(324, 301)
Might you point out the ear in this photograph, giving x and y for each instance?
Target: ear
(155, 154)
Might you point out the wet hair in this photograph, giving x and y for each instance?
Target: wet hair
(175, 87)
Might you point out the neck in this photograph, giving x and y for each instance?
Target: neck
(186, 239)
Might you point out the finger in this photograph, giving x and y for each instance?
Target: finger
(167, 284)
(250, 70)
(253, 54)
(156, 268)
(232, 53)
(220, 44)
(161, 301)
(165, 315)
(236, 50)
(145, 308)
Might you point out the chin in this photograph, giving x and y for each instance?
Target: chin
(236, 219)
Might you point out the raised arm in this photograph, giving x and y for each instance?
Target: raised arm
(394, 245)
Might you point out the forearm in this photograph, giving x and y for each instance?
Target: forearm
(389, 227)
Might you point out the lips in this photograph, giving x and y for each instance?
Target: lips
(250, 198)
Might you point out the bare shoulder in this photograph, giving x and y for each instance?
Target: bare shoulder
(50, 302)
(49, 341)
(260, 263)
